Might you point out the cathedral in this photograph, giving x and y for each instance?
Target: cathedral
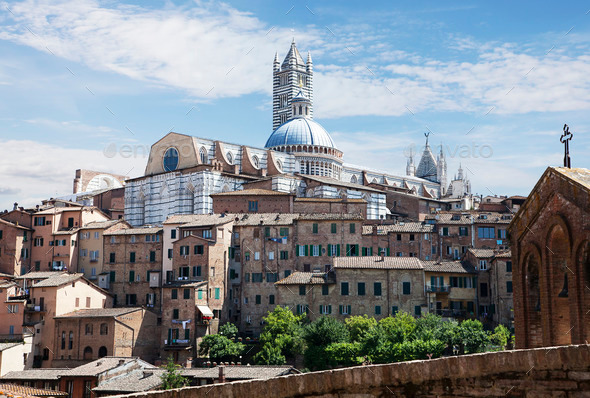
(299, 157)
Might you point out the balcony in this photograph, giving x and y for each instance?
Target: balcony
(438, 289)
(452, 313)
(35, 308)
(177, 344)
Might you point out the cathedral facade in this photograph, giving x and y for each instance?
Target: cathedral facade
(299, 157)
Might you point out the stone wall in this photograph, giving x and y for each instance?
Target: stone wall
(543, 372)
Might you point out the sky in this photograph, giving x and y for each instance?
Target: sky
(93, 84)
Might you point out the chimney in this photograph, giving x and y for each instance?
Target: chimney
(121, 362)
(147, 374)
(15, 206)
(221, 374)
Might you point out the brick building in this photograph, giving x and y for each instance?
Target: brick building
(502, 286)
(15, 248)
(52, 294)
(253, 201)
(101, 332)
(133, 266)
(376, 286)
(402, 239)
(451, 289)
(551, 258)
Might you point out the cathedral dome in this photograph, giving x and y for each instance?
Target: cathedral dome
(300, 131)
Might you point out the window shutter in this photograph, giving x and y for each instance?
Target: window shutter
(307, 250)
(320, 251)
(338, 250)
(297, 250)
(388, 251)
(340, 309)
(329, 249)
(348, 308)
(347, 250)
(442, 280)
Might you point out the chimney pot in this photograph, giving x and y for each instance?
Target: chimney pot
(222, 374)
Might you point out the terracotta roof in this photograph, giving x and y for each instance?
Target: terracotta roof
(135, 231)
(57, 210)
(462, 218)
(506, 254)
(136, 381)
(11, 224)
(58, 280)
(98, 313)
(303, 278)
(103, 364)
(377, 262)
(240, 372)
(255, 191)
(101, 224)
(70, 231)
(36, 374)
(481, 253)
(416, 227)
(40, 274)
(204, 219)
(448, 266)
(26, 392)
(330, 216)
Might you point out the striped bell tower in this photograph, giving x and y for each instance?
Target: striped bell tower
(290, 77)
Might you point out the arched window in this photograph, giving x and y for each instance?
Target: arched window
(279, 165)
(203, 155)
(353, 179)
(88, 329)
(300, 110)
(230, 158)
(306, 111)
(102, 352)
(256, 161)
(63, 340)
(87, 353)
(170, 159)
(104, 329)
(71, 341)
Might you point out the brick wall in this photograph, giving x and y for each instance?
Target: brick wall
(543, 372)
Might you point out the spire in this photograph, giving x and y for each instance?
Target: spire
(276, 65)
(427, 168)
(410, 168)
(293, 57)
(309, 62)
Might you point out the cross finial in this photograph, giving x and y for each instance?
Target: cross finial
(565, 139)
(426, 135)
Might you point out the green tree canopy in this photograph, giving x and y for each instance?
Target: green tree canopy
(220, 348)
(172, 377)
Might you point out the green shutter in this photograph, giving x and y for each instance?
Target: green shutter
(357, 249)
(329, 249)
(320, 251)
(307, 250)
(347, 250)
(388, 251)
(112, 276)
(297, 250)
(338, 250)
(442, 280)
(433, 281)
(131, 276)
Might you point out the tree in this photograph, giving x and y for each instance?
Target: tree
(228, 330)
(172, 377)
(398, 328)
(270, 355)
(282, 337)
(359, 327)
(472, 335)
(220, 348)
(344, 354)
(500, 336)
(324, 331)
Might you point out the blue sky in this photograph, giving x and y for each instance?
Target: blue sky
(494, 82)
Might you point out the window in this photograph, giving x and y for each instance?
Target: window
(508, 286)
(104, 329)
(132, 257)
(485, 232)
(152, 256)
(399, 237)
(112, 276)
(37, 242)
(63, 340)
(483, 265)
(173, 233)
(198, 249)
(377, 310)
(501, 234)
(316, 250)
(174, 294)
(12, 308)
(170, 159)
(508, 266)
(345, 309)
(258, 299)
(284, 232)
(271, 299)
(88, 329)
(130, 299)
(71, 340)
(418, 311)
(207, 233)
(253, 206)
(39, 221)
(333, 228)
(352, 228)
(284, 254)
(352, 250)
(344, 288)
(483, 289)
(186, 294)
(301, 250)
(256, 277)
(445, 231)
(256, 255)
(175, 313)
(271, 255)
(302, 290)
(325, 309)
(111, 258)
(406, 288)
(200, 294)
(272, 277)
(377, 288)
(325, 290)
(394, 310)
(360, 288)
(463, 231)
(315, 228)
(184, 250)
(333, 250)
(412, 237)
(217, 293)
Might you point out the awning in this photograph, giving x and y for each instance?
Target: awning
(206, 311)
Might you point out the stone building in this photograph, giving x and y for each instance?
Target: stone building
(133, 266)
(551, 261)
(253, 201)
(15, 248)
(376, 286)
(91, 255)
(101, 332)
(502, 287)
(451, 289)
(401, 239)
(480, 260)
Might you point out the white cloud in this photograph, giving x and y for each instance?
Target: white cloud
(36, 171)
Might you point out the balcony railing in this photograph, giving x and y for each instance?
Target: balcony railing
(177, 343)
(35, 308)
(452, 313)
(438, 289)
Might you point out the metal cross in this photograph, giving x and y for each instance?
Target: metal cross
(565, 139)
